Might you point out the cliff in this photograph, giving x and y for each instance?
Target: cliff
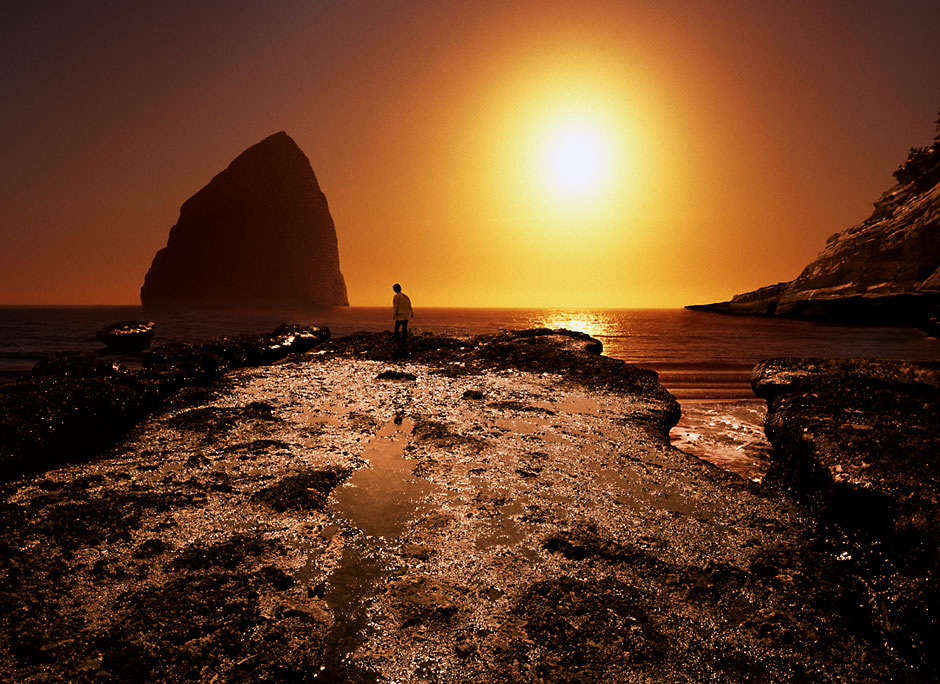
(259, 234)
(886, 270)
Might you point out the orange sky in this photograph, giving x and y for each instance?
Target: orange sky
(737, 137)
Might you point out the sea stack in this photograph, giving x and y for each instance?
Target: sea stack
(259, 234)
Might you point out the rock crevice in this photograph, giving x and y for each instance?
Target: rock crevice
(855, 439)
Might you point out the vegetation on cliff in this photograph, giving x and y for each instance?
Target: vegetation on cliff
(885, 270)
(922, 166)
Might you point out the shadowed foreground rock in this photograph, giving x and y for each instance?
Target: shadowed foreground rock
(502, 508)
(859, 439)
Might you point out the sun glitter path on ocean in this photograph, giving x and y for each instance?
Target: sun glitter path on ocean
(729, 433)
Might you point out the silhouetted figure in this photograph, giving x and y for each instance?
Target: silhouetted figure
(401, 312)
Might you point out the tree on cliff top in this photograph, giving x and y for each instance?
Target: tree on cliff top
(922, 166)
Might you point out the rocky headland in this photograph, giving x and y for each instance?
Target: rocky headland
(259, 234)
(502, 508)
(886, 270)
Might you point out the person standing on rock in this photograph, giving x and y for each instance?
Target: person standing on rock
(401, 312)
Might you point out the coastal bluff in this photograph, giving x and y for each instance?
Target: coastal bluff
(259, 234)
(883, 271)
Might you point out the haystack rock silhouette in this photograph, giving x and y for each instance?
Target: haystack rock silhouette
(259, 234)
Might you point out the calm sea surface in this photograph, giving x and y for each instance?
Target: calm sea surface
(703, 359)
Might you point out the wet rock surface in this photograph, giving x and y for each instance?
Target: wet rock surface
(127, 336)
(312, 521)
(71, 406)
(858, 440)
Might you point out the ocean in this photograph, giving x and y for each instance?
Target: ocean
(704, 359)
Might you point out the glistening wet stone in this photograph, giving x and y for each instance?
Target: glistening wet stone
(382, 497)
(521, 546)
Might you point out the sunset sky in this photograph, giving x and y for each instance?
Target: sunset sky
(481, 152)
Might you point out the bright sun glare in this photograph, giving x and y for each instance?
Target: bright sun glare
(576, 159)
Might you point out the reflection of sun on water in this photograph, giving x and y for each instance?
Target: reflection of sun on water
(595, 324)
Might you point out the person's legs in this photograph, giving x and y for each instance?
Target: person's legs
(404, 332)
(398, 326)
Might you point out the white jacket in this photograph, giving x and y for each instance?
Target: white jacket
(401, 307)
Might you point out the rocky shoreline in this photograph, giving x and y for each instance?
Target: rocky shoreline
(73, 405)
(916, 310)
(503, 508)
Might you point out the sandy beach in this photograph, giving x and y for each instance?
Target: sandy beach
(463, 514)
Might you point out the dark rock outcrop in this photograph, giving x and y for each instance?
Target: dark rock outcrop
(858, 439)
(71, 406)
(127, 336)
(886, 270)
(259, 234)
(850, 432)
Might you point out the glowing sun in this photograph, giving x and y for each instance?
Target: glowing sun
(575, 159)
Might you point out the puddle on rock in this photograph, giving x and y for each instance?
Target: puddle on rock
(665, 497)
(521, 427)
(507, 530)
(379, 499)
(324, 418)
(382, 498)
(349, 589)
(582, 405)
